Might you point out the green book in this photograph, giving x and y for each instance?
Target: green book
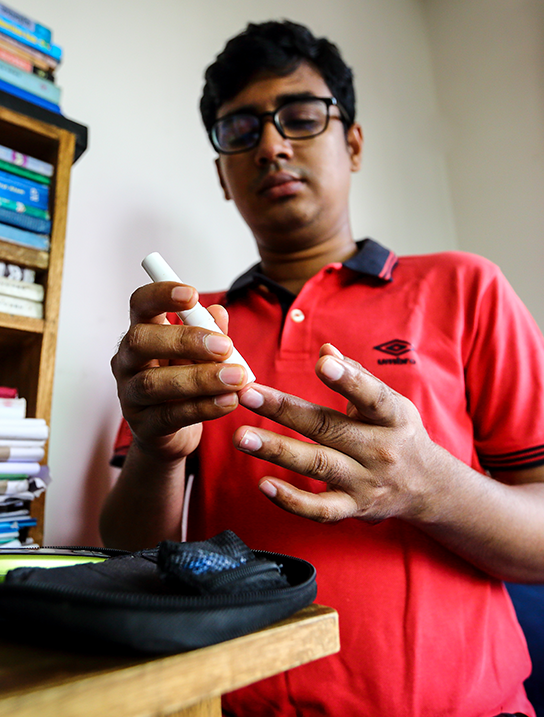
(24, 172)
(21, 208)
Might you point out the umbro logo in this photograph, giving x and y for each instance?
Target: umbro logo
(397, 348)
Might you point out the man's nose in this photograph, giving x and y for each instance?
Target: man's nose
(272, 145)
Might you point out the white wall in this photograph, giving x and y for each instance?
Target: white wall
(133, 73)
(488, 57)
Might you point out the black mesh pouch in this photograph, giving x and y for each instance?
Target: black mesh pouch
(173, 598)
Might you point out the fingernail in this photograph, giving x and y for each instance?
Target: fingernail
(225, 400)
(251, 398)
(268, 488)
(217, 344)
(231, 375)
(250, 442)
(182, 293)
(332, 368)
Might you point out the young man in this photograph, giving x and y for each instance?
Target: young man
(424, 493)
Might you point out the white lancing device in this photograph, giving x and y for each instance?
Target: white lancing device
(159, 270)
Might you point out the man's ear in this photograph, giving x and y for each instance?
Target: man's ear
(355, 143)
(222, 180)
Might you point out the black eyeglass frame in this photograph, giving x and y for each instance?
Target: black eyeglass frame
(329, 102)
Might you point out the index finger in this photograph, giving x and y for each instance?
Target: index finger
(370, 401)
(322, 425)
(150, 303)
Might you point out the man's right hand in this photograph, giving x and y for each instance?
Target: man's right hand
(170, 377)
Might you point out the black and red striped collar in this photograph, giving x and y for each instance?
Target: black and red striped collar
(372, 259)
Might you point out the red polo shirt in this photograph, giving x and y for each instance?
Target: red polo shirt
(423, 632)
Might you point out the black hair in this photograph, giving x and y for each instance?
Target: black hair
(277, 47)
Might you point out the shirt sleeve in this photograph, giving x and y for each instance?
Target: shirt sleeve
(505, 378)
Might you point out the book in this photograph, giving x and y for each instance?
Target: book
(28, 97)
(12, 408)
(21, 307)
(23, 237)
(24, 190)
(25, 221)
(22, 289)
(24, 428)
(17, 273)
(17, 524)
(35, 28)
(21, 443)
(28, 54)
(44, 74)
(25, 160)
(24, 172)
(8, 392)
(15, 454)
(30, 82)
(24, 488)
(27, 38)
(22, 208)
(18, 469)
(12, 59)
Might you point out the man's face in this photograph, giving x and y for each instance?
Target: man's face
(292, 193)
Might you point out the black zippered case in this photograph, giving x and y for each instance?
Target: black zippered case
(174, 598)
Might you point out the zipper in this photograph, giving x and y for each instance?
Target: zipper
(121, 599)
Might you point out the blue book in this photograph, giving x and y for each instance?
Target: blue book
(39, 31)
(24, 238)
(29, 97)
(8, 526)
(25, 221)
(24, 190)
(27, 38)
(29, 82)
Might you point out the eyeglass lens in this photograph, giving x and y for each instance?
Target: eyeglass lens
(299, 119)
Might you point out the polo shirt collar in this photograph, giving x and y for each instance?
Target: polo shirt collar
(372, 259)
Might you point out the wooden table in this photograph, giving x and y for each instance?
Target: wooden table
(36, 682)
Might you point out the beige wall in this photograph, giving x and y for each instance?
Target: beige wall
(488, 58)
(133, 72)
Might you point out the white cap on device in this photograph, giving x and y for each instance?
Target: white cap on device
(159, 270)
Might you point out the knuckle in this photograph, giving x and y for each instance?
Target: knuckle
(380, 398)
(386, 455)
(280, 453)
(133, 337)
(320, 464)
(322, 424)
(146, 381)
(325, 515)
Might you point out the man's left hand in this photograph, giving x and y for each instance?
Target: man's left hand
(377, 459)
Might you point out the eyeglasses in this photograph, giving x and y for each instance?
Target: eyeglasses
(296, 119)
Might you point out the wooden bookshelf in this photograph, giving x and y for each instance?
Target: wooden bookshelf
(27, 345)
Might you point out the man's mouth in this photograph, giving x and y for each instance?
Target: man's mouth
(280, 184)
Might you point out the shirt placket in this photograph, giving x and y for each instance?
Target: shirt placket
(296, 342)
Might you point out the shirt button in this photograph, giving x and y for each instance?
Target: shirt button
(297, 315)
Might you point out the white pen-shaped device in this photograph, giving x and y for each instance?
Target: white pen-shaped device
(159, 270)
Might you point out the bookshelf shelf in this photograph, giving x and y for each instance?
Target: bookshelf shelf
(33, 258)
(27, 345)
(20, 323)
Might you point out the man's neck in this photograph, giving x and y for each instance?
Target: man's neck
(292, 270)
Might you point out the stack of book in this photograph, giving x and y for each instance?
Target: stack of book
(22, 478)
(24, 199)
(28, 60)
(19, 292)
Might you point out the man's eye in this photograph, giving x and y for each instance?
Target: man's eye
(301, 122)
(238, 131)
(302, 119)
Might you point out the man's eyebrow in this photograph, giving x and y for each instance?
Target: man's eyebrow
(279, 100)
